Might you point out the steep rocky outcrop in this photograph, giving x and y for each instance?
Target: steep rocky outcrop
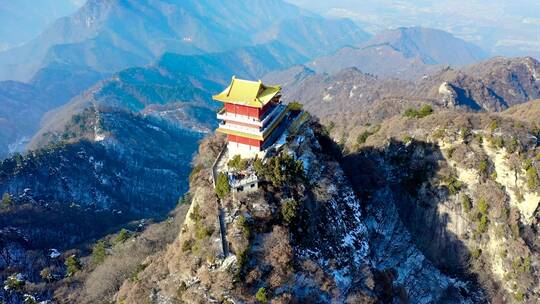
(331, 249)
(493, 85)
(121, 150)
(466, 187)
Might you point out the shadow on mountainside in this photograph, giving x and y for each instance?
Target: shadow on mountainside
(407, 177)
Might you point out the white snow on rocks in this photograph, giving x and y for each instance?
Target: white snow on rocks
(444, 89)
(328, 97)
(54, 253)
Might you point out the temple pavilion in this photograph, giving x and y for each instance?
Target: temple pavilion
(251, 116)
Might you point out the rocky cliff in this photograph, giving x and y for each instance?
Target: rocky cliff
(306, 237)
(466, 187)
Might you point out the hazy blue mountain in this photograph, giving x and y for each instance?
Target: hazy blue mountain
(58, 83)
(432, 46)
(313, 36)
(108, 35)
(403, 52)
(508, 28)
(22, 105)
(22, 20)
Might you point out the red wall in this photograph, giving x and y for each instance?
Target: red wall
(243, 140)
(242, 110)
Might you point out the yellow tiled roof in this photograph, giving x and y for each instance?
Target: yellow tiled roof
(248, 93)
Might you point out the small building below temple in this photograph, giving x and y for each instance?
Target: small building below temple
(251, 116)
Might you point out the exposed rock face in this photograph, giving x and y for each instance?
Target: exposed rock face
(493, 85)
(515, 80)
(466, 189)
(447, 94)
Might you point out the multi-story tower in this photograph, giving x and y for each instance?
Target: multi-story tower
(251, 116)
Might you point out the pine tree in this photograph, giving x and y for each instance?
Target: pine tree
(289, 211)
(73, 265)
(7, 201)
(261, 295)
(98, 253)
(238, 163)
(258, 166)
(122, 236)
(222, 185)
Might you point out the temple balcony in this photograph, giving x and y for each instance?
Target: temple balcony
(272, 114)
(269, 124)
(223, 126)
(273, 120)
(223, 115)
(267, 117)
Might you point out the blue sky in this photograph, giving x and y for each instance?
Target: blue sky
(502, 27)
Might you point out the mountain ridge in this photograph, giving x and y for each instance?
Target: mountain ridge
(407, 52)
(483, 86)
(113, 35)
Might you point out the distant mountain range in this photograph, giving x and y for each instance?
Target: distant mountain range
(403, 52)
(492, 85)
(109, 35)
